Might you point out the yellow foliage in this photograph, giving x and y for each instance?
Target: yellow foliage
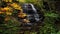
(26, 21)
(8, 13)
(22, 15)
(1, 12)
(7, 0)
(6, 8)
(16, 6)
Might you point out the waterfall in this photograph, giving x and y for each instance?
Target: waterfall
(36, 14)
(33, 8)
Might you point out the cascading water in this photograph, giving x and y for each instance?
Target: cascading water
(36, 14)
(31, 12)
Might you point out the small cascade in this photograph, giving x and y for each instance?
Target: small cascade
(36, 14)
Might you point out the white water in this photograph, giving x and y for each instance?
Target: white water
(36, 14)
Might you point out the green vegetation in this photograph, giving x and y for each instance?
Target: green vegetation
(48, 27)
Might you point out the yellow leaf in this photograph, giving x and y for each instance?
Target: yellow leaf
(1, 12)
(8, 13)
(26, 20)
(22, 15)
(6, 8)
